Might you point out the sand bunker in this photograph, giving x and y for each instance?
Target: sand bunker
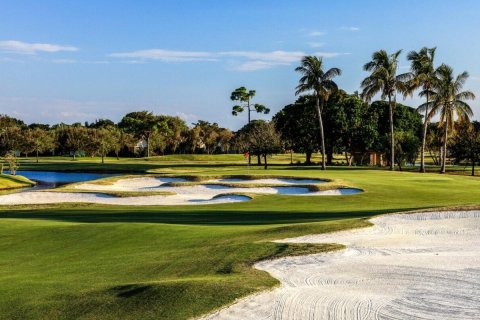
(270, 181)
(183, 195)
(418, 266)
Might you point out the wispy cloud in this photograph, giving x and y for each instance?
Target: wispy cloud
(166, 55)
(257, 65)
(273, 56)
(353, 29)
(316, 33)
(316, 44)
(237, 60)
(331, 54)
(13, 46)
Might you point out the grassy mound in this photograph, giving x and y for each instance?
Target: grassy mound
(14, 182)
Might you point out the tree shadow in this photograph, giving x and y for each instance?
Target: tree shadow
(186, 217)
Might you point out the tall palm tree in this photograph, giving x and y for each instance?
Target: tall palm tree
(422, 76)
(315, 79)
(383, 79)
(448, 100)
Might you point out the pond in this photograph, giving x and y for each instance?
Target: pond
(53, 179)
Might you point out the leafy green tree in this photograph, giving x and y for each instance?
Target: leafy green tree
(383, 79)
(244, 97)
(12, 161)
(422, 76)
(121, 140)
(449, 101)
(262, 138)
(406, 148)
(465, 143)
(142, 124)
(315, 79)
(10, 134)
(356, 125)
(38, 140)
(77, 139)
(174, 131)
(298, 126)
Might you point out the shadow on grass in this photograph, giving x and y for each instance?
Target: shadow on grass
(197, 217)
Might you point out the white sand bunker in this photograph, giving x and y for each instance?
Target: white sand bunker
(418, 266)
(269, 181)
(181, 195)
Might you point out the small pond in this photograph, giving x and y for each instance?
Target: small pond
(53, 179)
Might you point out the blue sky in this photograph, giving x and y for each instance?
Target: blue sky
(82, 60)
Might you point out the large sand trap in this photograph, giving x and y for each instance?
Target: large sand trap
(418, 266)
(184, 195)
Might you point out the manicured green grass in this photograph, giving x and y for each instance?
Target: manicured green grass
(104, 262)
(13, 182)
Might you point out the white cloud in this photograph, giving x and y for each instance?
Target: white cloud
(316, 44)
(257, 65)
(316, 33)
(14, 46)
(237, 60)
(165, 55)
(353, 29)
(273, 56)
(188, 117)
(331, 54)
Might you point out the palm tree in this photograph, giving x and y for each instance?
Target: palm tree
(320, 82)
(383, 79)
(448, 100)
(422, 76)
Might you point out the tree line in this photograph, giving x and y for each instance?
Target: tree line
(323, 119)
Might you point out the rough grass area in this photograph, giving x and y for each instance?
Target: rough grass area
(105, 262)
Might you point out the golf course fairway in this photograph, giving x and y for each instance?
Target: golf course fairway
(94, 261)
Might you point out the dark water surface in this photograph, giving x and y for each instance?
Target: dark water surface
(53, 179)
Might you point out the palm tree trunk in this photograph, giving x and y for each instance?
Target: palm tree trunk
(320, 123)
(444, 158)
(424, 139)
(37, 155)
(148, 146)
(392, 137)
(473, 166)
(249, 155)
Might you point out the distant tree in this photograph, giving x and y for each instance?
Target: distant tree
(10, 134)
(406, 148)
(175, 132)
(383, 79)
(449, 101)
(465, 143)
(355, 126)
(298, 126)
(245, 96)
(11, 159)
(434, 144)
(262, 138)
(142, 124)
(77, 139)
(315, 79)
(104, 138)
(37, 140)
(121, 140)
(224, 139)
(422, 73)
(101, 123)
(206, 134)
